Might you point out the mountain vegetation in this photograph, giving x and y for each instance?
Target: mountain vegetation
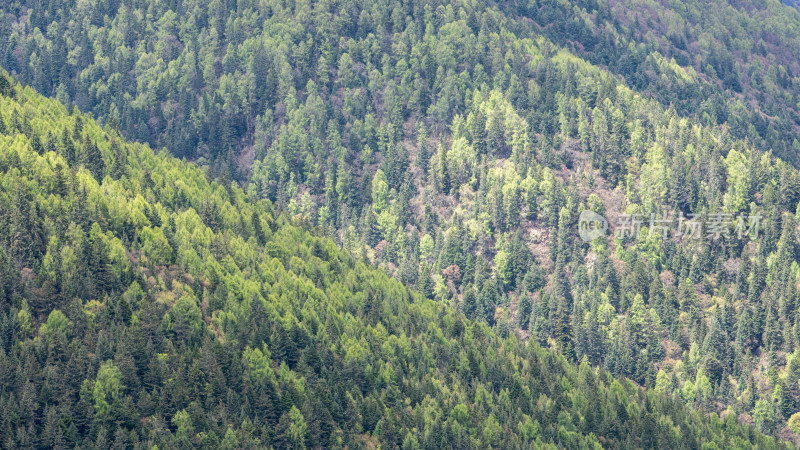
(144, 305)
(453, 146)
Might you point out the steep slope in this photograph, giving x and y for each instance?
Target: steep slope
(144, 305)
(194, 75)
(454, 146)
(743, 57)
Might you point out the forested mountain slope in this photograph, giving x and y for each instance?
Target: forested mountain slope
(456, 145)
(143, 304)
(195, 75)
(742, 58)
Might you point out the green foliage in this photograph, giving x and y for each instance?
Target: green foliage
(107, 388)
(794, 422)
(453, 146)
(155, 246)
(57, 322)
(291, 343)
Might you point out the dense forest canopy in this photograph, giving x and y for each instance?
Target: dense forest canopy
(452, 145)
(196, 76)
(144, 305)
